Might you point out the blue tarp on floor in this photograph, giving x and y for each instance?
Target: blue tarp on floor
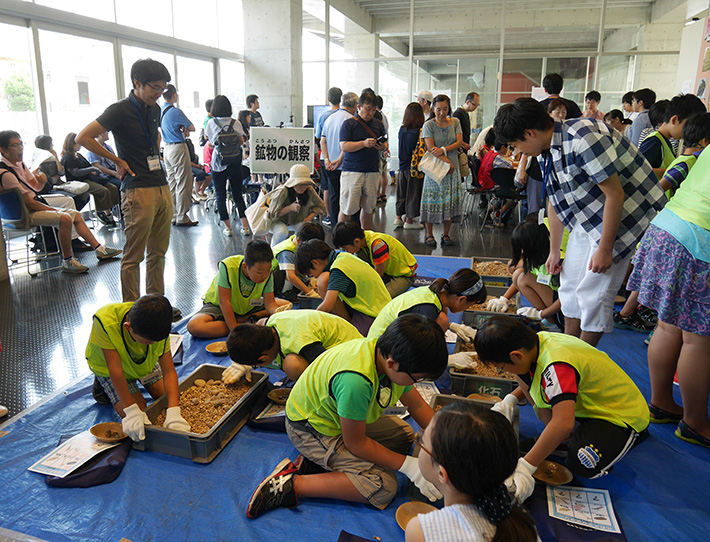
(658, 490)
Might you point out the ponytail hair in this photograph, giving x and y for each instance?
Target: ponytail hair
(531, 243)
(479, 450)
(465, 282)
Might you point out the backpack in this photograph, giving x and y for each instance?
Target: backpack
(229, 145)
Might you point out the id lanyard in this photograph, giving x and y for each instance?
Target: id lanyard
(546, 176)
(145, 129)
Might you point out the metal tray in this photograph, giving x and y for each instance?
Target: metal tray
(444, 400)
(201, 448)
(475, 318)
(492, 280)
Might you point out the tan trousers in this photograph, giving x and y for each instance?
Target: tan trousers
(147, 213)
(180, 180)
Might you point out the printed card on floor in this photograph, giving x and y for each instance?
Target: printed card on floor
(71, 455)
(587, 507)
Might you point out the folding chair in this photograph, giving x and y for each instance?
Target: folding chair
(504, 190)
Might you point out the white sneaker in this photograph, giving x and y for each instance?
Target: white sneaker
(105, 253)
(398, 222)
(245, 232)
(413, 226)
(227, 232)
(72, 265)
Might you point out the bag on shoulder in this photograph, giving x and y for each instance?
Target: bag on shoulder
(229, 145)
(417, 155)
(463, 164)
(202, 140)
(257, 214)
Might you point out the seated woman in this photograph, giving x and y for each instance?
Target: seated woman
(78, 168)
(45, 157)
(293, 203)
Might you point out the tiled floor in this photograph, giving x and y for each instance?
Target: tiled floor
(45, 320)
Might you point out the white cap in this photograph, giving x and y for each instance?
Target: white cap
(299, 174)
(426, 95)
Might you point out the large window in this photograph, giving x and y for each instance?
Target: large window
(195, 85)
(232, 82)
(152, 16)
(131, 54)
(98, 9)
(79, 81)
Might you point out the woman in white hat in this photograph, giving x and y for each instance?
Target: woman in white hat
(293, 203)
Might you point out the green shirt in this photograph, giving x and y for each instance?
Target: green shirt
(245, 294)
(321, 395)
(108, 333)
(691, 201)
(401, 303)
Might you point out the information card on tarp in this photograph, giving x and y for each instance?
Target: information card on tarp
(71, 455)
(275, 150)
(587, 507)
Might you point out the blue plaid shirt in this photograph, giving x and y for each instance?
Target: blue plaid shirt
(586, 152)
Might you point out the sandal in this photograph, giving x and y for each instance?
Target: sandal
(430, 241)
(658, 415)
(446, 241)
(381, 199)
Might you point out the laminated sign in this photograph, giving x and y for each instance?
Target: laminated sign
(275, 150)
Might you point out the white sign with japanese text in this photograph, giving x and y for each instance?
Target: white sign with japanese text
(275, 150)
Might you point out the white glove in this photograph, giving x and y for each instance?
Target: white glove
(173, 420)
(466, 333)
(235, 371)
(463, 360)
(498, 305)
(134, 421)
(410, 468)
(506, 406)
(530, 312)
(283, 308)
(312, 293)
(521, 481)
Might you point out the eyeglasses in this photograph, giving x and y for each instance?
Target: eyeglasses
(415, 380)
(418, 437)
(16, 145)
(157, 88)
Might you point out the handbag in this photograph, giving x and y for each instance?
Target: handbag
(463, 163)
(256, 214)
(433, 167)
(417, 155)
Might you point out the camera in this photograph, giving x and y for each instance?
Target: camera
(382, 139)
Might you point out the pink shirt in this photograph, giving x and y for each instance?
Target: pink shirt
(10, 181)
(596, 115)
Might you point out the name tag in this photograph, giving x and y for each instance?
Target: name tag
(258, 302)
(153, 162)
(544, 279)
(541, 217)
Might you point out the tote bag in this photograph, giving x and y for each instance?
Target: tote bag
(433, 167)
(256, 214)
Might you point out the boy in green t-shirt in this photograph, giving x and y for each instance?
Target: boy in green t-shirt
(129, 343)
(569, 382)
(388, 256)
(349, 287)
(287, 281)
(334, 418)
(294, 338)
(243, 290)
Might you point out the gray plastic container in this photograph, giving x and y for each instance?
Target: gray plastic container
(475, 318)
(444, 400)
(305, 302)
(201, 448)
(492, 280)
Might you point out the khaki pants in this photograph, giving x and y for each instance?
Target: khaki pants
(377, 484)
(180, 180)
(147, 213)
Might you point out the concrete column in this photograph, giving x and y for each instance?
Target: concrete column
(272, 58)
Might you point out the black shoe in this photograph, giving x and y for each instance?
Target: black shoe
(177, 315)
(78, 245)
(276, 490)
(105, 218)
(187, 224)
(98, 393)
(649, 316)
(633, 322)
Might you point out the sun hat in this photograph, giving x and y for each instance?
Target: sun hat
(426, 95)
(299, 174)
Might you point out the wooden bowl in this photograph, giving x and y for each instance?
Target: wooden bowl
(218, 348)
(485, 397)
(553, 474)
(411, 509)
(99, 431)
(279, 396)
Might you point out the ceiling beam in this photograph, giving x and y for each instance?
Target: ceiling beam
(355, 13)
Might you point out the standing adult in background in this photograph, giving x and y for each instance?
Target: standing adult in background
(642, 101)
(591, 105)
(253, 105)
(424, 98)
(627, 105)
(331, 153)
(384, 156)
(362, 138)
(473, 100)
(221, 172)
(334, 97)
(146, 201)
(441, 202)
(553, 83)
(175, 126)
(409, 191)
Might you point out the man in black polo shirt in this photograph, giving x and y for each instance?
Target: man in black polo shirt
(362, 137)
(146, 201)
(552, 83)
(473, 100)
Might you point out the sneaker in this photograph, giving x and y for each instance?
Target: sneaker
(327, 222)
(275, 490)
(688, 434)
(647, 340)
(633, 322)
(227, 232)
(658, 415)
(647, 315)
(413, 226)
(398, 222)
(105, 218)
(244, 231)
(306, 466)
(177, 314)
(72, 265)
(106, 253)
(99, 394)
